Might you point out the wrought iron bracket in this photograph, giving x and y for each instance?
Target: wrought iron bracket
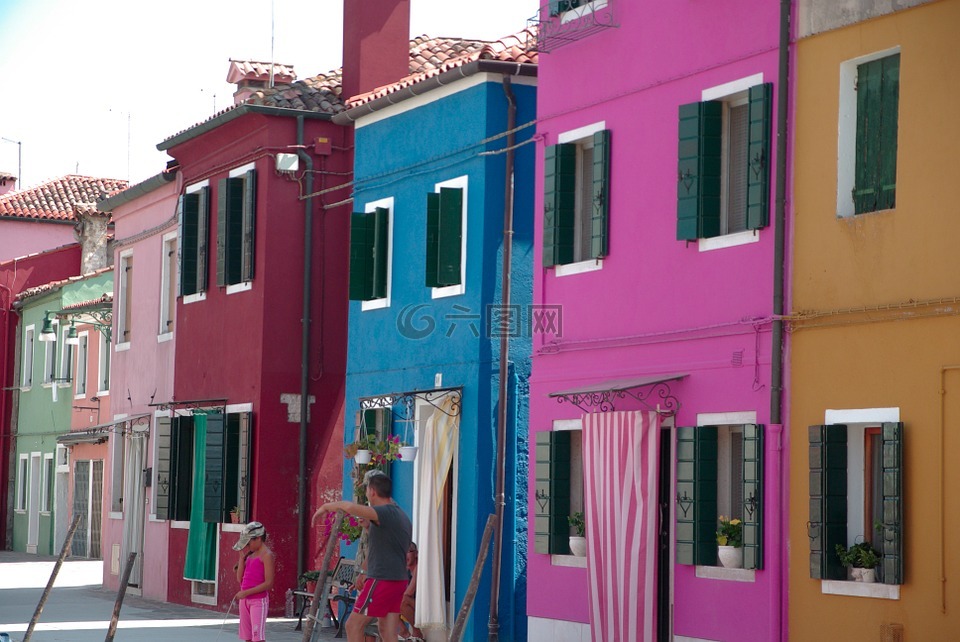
(407, 401)
(196, 406)
(653, 396)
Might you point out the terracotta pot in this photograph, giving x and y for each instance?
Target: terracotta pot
(234, 518)
(730, 556)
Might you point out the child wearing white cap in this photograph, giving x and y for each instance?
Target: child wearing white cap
(255, 570)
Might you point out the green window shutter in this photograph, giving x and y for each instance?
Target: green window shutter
(378, 422)
(559, 203)
(189, 241)
(203, 235)
(163, 481)
(599, 218)
(433, 239)
(551, 529)
(892, 541)
(361, 258)
(698, 176)
(381, 250)
(213, 486)
(758, 156)
(223, 199)
(233, 248)
(889, 123)
(696, 495)
(450, 236)
(181, 467)
(828, 500)
(244, 485)
(249, 225)
(753, 496)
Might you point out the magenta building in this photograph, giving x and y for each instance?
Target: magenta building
(654, 403)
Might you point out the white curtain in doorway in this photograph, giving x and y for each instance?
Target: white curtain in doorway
(437, 444)
(133, 496)
(620, 460)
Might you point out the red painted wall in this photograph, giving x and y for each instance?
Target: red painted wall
(16, 275)
(246, 347)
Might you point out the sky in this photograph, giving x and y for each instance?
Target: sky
(91, 86)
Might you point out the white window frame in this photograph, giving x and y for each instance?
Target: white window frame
(104, 357)
(29, 346)
(729, 92)
(460, 182)
(581, 136)
(202, 295)
(168, 278)
(50, 356)
(67, 360)
(81, 381)
(126, 258)
(63, 459)
(854, 419)
(847, 130)
(47, 478)
(23, 484)
(575, 464)
(383, 302)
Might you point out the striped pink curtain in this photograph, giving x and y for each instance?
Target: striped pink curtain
(620, 458)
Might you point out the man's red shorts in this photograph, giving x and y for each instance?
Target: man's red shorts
(379, 598)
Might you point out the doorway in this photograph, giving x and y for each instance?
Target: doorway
(664, 539)
(33, 509)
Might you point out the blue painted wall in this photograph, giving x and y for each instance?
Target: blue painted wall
(403, 347)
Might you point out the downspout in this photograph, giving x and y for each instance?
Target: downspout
(304, 351)
(5, 425)
(493, 625)
(777, 349)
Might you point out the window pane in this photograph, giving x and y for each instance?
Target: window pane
(584, 203)
(737, 169)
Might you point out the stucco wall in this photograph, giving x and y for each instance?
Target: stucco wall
(816, 16)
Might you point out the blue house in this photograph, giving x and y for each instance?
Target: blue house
(440, 156)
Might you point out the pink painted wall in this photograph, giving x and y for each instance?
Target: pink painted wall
(658, 305)
(143, 373)
(19, 238)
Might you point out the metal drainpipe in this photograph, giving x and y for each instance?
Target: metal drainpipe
(304, 352)
(777, 349)
(493, 624)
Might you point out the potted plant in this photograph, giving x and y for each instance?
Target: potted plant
(730, 542)
(407, 453)
(578, 542)
(235, 515)
(361, 450)
(308, 579)
(862, 560)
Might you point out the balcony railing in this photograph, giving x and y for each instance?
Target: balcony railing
(560, 22)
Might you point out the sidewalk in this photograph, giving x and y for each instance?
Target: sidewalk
(79, 609)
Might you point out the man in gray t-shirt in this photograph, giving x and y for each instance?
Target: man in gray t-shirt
(389, 540)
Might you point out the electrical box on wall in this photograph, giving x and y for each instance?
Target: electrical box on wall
(287, 162)
(322, 146)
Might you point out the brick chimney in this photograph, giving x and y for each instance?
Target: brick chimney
(251, 76)
(91, 231)
(8, 183)
(376, 44)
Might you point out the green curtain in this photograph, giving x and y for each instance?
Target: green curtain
(201, 561)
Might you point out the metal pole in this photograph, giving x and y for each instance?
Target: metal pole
(457, 633)
(121, 592)
(321, 588)
(53, 577)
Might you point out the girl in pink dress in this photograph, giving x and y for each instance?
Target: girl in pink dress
(255, 570)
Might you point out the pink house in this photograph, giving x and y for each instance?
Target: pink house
(654, 406)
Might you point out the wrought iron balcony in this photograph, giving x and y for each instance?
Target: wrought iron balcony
(560, 22)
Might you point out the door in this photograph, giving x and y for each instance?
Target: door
(664, 520)
(80, 545)
(133, 504)
(33, 504)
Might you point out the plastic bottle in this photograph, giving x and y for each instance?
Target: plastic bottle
(288, 605)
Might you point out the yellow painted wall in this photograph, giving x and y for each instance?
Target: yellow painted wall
(890, 355)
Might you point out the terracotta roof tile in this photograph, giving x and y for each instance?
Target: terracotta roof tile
(56, 285)
(54, 200)
(321, 93)
(254, 70)
(436, 56)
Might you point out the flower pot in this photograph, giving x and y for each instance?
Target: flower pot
(363, 457)
(408, 453)
(867, 574)
(234, 518)
(730, 556)
(578, 545)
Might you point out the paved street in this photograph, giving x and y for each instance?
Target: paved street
(79, 610)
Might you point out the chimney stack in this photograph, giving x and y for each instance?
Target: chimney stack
(91, 231)
(8, 183)
(376, 44)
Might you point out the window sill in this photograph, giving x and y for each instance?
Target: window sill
(578, 268)
(163, 338)
(122, 347)
(193, 298)
(450, 290)
(115, 514)
(727, 574)
(183, 525)
(26, 388)
(571, 561)
(729, 240)
(232, 528)
(860, 589)
(852, 216)
(375, 304)
(239, 287)
(80, 395)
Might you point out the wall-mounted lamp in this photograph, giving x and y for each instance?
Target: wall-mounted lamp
(72, 338)
(47, 333)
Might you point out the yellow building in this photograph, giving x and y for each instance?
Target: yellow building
(874, 374)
